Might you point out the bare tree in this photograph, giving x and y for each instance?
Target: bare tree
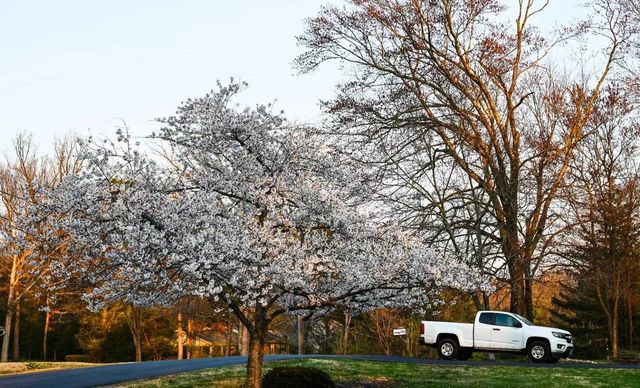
(451, 73)
(19, 182)
(25, 248)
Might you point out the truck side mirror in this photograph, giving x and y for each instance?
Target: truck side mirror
(517, 324)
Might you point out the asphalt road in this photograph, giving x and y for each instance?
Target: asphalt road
(114, 374)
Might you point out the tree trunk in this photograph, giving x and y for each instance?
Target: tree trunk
(517, 258)
(325, 345)
(407, 342)
(614, 335)
(47, 320)
(481, 300)
(256, 352)
(4, 356)
(607, 313)
(244, 341)
(518, 285)
(239, 327)
(377, 319)
(254, 363)
(7, 336)
(134, 320)
(152, 346)
(137, 343)
(229, 336)
(345, 333)
(180, 337)
(477, 302)
(630, 323)
(300, 334)
(16, 334)
(189, 336)
(528, 292)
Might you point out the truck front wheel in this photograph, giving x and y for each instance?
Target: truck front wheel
(448, 348)
(538, 351)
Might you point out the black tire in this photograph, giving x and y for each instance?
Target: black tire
(448, 348)
(538, 352)
(464, 354)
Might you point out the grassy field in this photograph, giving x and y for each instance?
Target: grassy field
(349, 373)
(7, 368)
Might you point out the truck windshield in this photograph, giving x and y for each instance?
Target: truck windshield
(523, 319)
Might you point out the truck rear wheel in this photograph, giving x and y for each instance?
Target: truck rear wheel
(448, 348)
(538, 351)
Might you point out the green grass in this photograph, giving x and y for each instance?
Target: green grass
(414, 376)
(227, 377)
(8, 368)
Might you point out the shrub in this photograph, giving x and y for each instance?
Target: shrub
(297, 377)
(34, 365)
(79, 358)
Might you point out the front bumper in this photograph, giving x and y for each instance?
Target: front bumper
(565, 354)
(561, 348)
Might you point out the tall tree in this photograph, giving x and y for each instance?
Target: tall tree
(245, 210)
(604, 200)
(26, 248)
(452, 76)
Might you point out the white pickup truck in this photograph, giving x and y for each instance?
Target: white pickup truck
(496, 331)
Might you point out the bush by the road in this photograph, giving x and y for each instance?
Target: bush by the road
(297, 376)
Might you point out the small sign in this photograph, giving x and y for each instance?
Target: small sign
(400, 331)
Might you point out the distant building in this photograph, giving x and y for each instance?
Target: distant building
(211, 342)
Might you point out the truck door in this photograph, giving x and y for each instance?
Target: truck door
(506, 333)
(482, 331)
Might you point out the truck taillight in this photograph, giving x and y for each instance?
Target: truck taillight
(422, 328)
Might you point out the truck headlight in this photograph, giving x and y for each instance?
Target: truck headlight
(564, 336)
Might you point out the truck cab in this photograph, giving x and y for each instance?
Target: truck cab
(496, 331)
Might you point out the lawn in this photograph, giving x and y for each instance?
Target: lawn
(8, 368)
(350, 373)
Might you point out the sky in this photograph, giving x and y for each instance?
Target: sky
(68, 66)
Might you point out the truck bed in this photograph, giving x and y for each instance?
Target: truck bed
(464, 331)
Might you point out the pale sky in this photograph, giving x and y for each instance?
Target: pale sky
(66, 66)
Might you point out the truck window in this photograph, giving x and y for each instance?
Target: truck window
(505, 320)
(523, 319)
(487, 318)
